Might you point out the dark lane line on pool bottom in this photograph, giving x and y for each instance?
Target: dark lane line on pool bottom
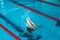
(50, 3)
(18, 28)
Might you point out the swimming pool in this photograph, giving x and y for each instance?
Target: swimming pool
(14, 18)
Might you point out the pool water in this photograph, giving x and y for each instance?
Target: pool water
(47, 29)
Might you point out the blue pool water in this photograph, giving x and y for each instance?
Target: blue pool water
(47, 28)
